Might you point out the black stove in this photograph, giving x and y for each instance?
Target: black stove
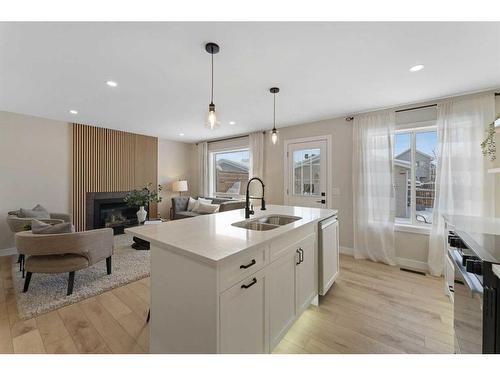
(485, 245)
(476, 305)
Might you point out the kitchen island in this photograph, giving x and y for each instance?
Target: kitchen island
(223, 288)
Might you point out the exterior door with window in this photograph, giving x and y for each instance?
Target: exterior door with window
(306, 183)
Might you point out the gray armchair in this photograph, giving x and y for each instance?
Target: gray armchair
(18, 224)
(65, 252)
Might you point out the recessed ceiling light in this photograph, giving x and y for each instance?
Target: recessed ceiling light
(232, 122)
(181, 134)
(111, 83)
(73, 112)
(416, 68)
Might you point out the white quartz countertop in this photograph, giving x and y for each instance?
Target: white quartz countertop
(212, 237)
(474, 224)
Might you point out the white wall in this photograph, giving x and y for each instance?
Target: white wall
(497, 162)
(176, 161)
(341, 132)
(35, 166)
(411, 248)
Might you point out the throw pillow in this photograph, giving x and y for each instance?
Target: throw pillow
(197, 203)
(205, 200)
(37, 212)
(39, 207)
(191, 203)
(38, 227)
(207, 208)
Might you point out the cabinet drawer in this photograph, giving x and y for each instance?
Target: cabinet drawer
(235, 270)
(279, 246)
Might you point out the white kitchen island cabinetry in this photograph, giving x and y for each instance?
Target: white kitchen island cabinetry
(225, 289)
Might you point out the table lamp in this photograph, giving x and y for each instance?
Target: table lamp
(180, 186)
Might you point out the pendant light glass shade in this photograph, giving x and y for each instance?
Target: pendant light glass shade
(274, 136)
(274, 132)
(211, 117)
(212, 123)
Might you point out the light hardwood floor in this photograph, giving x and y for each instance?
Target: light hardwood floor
(372, 308)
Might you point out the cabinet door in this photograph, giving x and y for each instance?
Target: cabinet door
(305, 275)
(281, 278)
(243, 316)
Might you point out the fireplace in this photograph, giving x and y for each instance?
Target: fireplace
(108, 210)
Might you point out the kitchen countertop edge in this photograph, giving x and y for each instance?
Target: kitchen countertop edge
(323, 214)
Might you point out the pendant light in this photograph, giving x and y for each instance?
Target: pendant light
(274, 133)
(212, 49)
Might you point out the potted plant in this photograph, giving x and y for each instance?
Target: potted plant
(141, 198)
(488, 145)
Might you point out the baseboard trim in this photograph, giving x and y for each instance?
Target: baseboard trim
(413, 264)
(8, 251)
(401, 262)
(346, 250)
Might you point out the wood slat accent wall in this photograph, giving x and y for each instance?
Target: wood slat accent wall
(106, 160)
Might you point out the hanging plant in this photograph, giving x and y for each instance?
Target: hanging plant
(488, 145)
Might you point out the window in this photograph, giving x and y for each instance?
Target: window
(415, 175)
(229, 172)
(306, 172)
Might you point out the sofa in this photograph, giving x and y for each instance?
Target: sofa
(179, 208)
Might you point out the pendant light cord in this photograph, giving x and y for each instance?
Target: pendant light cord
(274, 111)
(212, 94)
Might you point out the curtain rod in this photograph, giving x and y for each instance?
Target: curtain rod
(414, 108)
(229, 138)
(350, 118)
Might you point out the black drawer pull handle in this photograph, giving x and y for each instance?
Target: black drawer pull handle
(451, 289)
(254, 281)
(301, 255)
(248, 265)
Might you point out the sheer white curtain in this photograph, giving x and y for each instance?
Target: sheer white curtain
(374, 202)
(256, 143)
(462, 185)
(203, 177)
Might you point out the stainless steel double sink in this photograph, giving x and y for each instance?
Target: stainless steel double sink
(267, 222)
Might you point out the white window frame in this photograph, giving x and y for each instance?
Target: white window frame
(413, 225)
(329, 166)
(211, 173)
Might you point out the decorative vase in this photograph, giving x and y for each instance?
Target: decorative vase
(141, 214)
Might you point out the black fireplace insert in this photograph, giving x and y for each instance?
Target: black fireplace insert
(109, 210)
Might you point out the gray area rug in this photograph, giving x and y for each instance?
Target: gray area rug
(48, 292)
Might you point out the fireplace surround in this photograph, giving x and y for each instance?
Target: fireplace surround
(109, 210)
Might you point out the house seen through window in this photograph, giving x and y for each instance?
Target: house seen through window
(415, 175)
(229, 175)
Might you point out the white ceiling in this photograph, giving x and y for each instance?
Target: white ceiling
(324, 70)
